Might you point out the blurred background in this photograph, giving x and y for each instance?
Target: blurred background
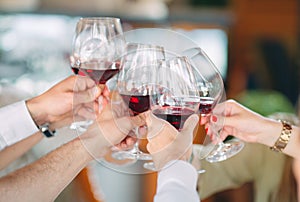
(254, 43)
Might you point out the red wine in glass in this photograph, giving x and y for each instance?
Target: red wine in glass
(99, 71)
(137, 103)
(100, 76)
(176, 116)
(206, 105)
(77, 71)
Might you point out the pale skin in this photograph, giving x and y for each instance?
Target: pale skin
(252, 127)
(166, 143)
(44, 179)
(11, 153)
(170, 150)
(55, 106)
(74, 97)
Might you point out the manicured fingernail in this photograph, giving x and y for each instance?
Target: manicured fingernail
(206, 130)
(214, 118)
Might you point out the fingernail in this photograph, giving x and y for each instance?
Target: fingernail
(206, 130)
(214, 118)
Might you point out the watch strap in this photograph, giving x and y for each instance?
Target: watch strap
(284, 137)
(46, 130)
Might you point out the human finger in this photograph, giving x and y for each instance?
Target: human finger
(82, 83)
(116, 130)
(154, 124)
(126, 143)
(161, 139)
(190, 124)
(87, 113)
(86, 96)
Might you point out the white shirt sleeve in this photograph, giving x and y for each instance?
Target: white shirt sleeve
(177, 182)
(16, 124)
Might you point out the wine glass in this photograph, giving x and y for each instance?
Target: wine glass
(211, 89)
(97, 44)
(177, 95)
(138, 73)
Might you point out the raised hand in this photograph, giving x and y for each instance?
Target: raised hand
(166, 143)
(57, 105)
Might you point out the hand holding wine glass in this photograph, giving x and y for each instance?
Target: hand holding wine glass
(166, 143)
(138, 73)
(211, 89)
(177, 95)
(97, 45)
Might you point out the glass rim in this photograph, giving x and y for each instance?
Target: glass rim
(146, 45)
(105, 19)
(140, 47)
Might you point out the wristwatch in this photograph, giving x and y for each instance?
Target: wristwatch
(46, 130)
(284, 137)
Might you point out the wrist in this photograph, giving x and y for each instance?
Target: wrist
(46, 130)
(270, 133)
(36, 111)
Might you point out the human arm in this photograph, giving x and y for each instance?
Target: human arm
(9, 154)
(170, 150)
(46, 178)
(20, 120)
(249, 126)
(59, 105)
(55, 107)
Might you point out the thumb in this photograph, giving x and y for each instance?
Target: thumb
(116, 130)
(190, 124)
(155, 125)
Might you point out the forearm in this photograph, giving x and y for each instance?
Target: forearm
(47, 177)
(11, 153)
(272, 131)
